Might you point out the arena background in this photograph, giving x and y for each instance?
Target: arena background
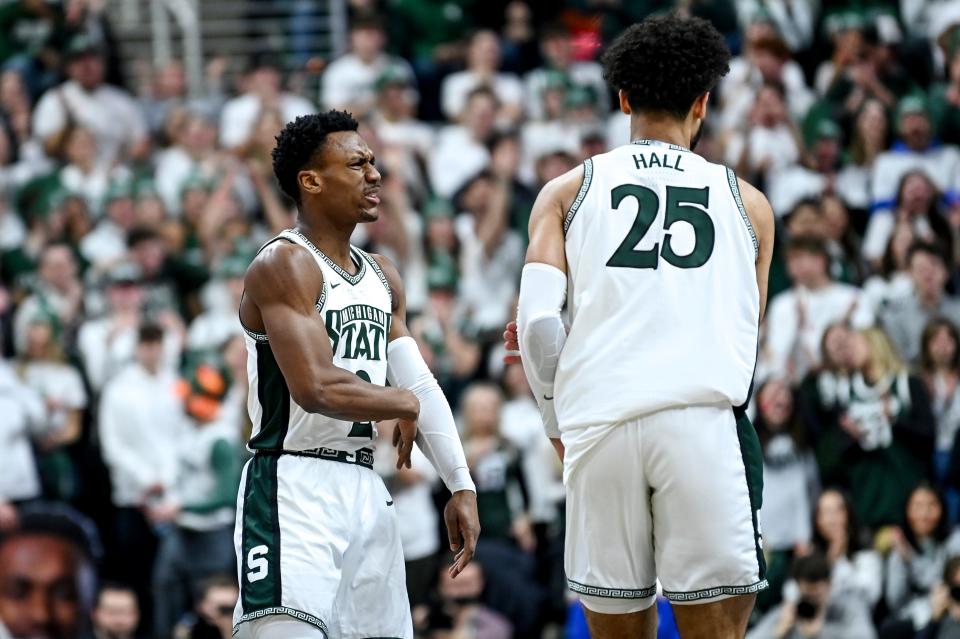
(135, 187)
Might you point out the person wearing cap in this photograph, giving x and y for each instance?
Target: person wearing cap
(350, 81)
(107, 242)
(483, 69)
(111, 114)
(915, 149)
(219, 321)
(263, 89)
(556, 47)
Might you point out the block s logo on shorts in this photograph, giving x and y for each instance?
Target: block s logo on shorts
(257, 563)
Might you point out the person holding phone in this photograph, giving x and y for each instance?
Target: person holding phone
(820, 612)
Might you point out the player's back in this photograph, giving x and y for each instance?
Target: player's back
(663, 298)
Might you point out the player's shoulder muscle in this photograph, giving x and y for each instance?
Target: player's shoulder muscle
(557, 195)
(283, 272)
(759, 211)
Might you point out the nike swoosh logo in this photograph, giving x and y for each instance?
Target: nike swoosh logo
(390, 503)
(335, 285)
(549, 399)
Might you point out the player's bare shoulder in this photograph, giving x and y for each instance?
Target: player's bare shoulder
(759, 211)
(558, 194)
(283, 270)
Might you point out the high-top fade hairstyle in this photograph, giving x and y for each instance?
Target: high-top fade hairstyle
(300, 143)
(666, 62)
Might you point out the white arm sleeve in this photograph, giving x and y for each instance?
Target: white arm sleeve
(541, 333)
(436, 431)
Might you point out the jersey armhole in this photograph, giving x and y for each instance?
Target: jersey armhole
(581, 194)
(735, 192)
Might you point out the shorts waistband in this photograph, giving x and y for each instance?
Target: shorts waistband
(362, 457)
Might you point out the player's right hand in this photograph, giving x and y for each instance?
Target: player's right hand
(512, 344)
(403, 435)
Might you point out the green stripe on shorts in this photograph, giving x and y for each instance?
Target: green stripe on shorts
(260, 585)
(752, 455)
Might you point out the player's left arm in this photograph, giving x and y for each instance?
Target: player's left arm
(761, 218)
(437, 432)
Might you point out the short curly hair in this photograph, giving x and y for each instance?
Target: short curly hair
(300, 142)
(666, 62)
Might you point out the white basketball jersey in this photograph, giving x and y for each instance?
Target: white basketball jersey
(357, 312)
(663, 297)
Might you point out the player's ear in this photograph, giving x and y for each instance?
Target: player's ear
(700, 106)
(310, 181)
(624, 104)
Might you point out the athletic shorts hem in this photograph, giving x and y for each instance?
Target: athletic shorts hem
(299, 615)
(611, 593)
(715, 593)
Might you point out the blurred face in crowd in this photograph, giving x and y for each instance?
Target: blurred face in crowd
(150, 210)
(858, 351)
(826, 153)
(807, 269)
(117, 614)
(848, 46)
(776, 404)
(441, 234)
(835, 217)
(150, 254)
(558, 51)
(86, 70)
(759, 30)
(915, 130)
(150, 354)
(217, 607)
(265, 82)
(58, 268)
(924, 511)
(199, 135)
(122, 212)
(367, 43)
(816, 592)
(942, 348)
(481, 409)
(769, 109)
(916, 194)
(125, 297)
(480, 115)
(81, 148)
(899, 246)
(193, 202)
(484, 52)
(476, 196)
(555, 103)
(768, 63)
(516, 381)
(836, 344)
(805, 219)
(39, 594)
(395, 101)
(171, 82)
(929, 275)
(39, 340)
(831, 517)
(553, 166)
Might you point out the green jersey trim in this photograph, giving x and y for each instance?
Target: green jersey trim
(716, 591)
(581, 194)
(735, 191)
(282, 610)
(611, 593)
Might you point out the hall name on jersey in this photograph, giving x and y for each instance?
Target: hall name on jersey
(358, 331)
(658, 160)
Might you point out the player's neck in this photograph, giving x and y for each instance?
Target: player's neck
(667, 130)
(332, 240)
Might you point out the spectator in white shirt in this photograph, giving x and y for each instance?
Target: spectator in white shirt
(349, 83)
(394, 120)
(23, 420)
(192, 157)
(556, 47)
(220, 321)
(263, 91)
(797, 318)
(461, 150)
(770, 141)
(483, 62)
(141, 419)
(111, 114)
(58, 293)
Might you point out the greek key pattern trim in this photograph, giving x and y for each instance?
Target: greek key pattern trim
(282, 610)
(582, 193)
(735, 190)
(718, 591)
(257, 337)
(611, 593)
(353, 279)
(376, 269)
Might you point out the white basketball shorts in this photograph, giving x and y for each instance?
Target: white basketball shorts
(674, 495)
(317, 541)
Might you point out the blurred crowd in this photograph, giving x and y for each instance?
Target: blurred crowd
(128, 215)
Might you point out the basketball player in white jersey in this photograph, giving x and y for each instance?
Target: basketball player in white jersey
(318, 548)
(661, 260)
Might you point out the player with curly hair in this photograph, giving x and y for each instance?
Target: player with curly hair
(318, 549)
(660, 259)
